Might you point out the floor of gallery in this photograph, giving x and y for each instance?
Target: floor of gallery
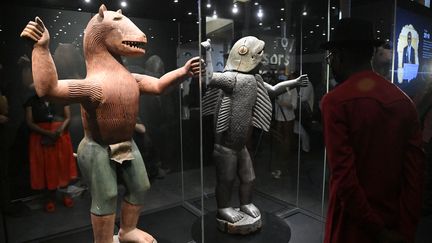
(173, 207)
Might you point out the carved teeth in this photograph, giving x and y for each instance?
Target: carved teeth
(134, 44)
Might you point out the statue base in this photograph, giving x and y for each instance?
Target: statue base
(244, 226)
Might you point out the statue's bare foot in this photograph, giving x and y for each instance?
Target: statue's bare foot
(135, 236)
(229, 214)
(250, 210)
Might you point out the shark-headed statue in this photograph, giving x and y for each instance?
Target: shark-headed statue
(239, 99)
(109, 98)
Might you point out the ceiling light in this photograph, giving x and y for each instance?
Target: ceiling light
(214, 14)
(235, 9)
(87, 1)
(260, 13)
(190, 13)
(282, 9)
(333, 7)
(79, 9)
(317, 25)
(304, 13)
(311, 31)
(173, 19)
(256, 3)
(278, 26)
(123, 4)
(208, 4)
(260, 23)
(176, 1)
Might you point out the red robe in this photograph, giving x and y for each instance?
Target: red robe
(374, 148)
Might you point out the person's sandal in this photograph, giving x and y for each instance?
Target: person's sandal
(50, 207)
(68, 202)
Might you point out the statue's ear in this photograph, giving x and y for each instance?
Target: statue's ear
(102, 9)
(119, 11)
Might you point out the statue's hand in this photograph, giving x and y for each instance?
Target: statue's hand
(303, 80)
(36, 31)
(206, 44)
(192, 67)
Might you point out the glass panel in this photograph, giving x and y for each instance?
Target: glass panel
(288, 169)
(167, 140)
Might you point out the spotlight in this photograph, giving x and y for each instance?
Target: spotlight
(235, 9)
(304, 13)
(123, 4)
(260, 13)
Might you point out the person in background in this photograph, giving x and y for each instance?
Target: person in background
(420, 91)
(382, 60)
(285, 104)
(374, 146)
(149, 152)
(52, 164)
(303, 123)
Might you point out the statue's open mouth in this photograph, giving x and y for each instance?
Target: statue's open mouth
(135, 44)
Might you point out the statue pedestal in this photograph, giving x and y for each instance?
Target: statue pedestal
(273, 229)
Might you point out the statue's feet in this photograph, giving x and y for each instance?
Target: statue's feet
(229, 214)
(250, 210)
(135, 236)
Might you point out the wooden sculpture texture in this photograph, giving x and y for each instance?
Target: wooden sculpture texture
(109, 97)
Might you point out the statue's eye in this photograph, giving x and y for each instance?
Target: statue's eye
(117, 18)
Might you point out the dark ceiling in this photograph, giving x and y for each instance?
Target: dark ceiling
(314, 25)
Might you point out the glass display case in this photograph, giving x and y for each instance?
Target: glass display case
(217, 154)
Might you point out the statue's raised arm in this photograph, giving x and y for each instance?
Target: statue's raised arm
(45, 74)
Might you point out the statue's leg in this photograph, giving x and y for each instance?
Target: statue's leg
(226, 168)
(100, 174)
(135, 177)
(103, 228)
(247, 179)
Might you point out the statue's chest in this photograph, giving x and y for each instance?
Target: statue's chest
(121, 89)
(245, 91)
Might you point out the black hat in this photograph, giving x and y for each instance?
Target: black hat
(352, 32)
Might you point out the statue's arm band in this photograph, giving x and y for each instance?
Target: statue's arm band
(80, 90)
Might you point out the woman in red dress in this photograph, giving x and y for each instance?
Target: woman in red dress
(52, 164)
